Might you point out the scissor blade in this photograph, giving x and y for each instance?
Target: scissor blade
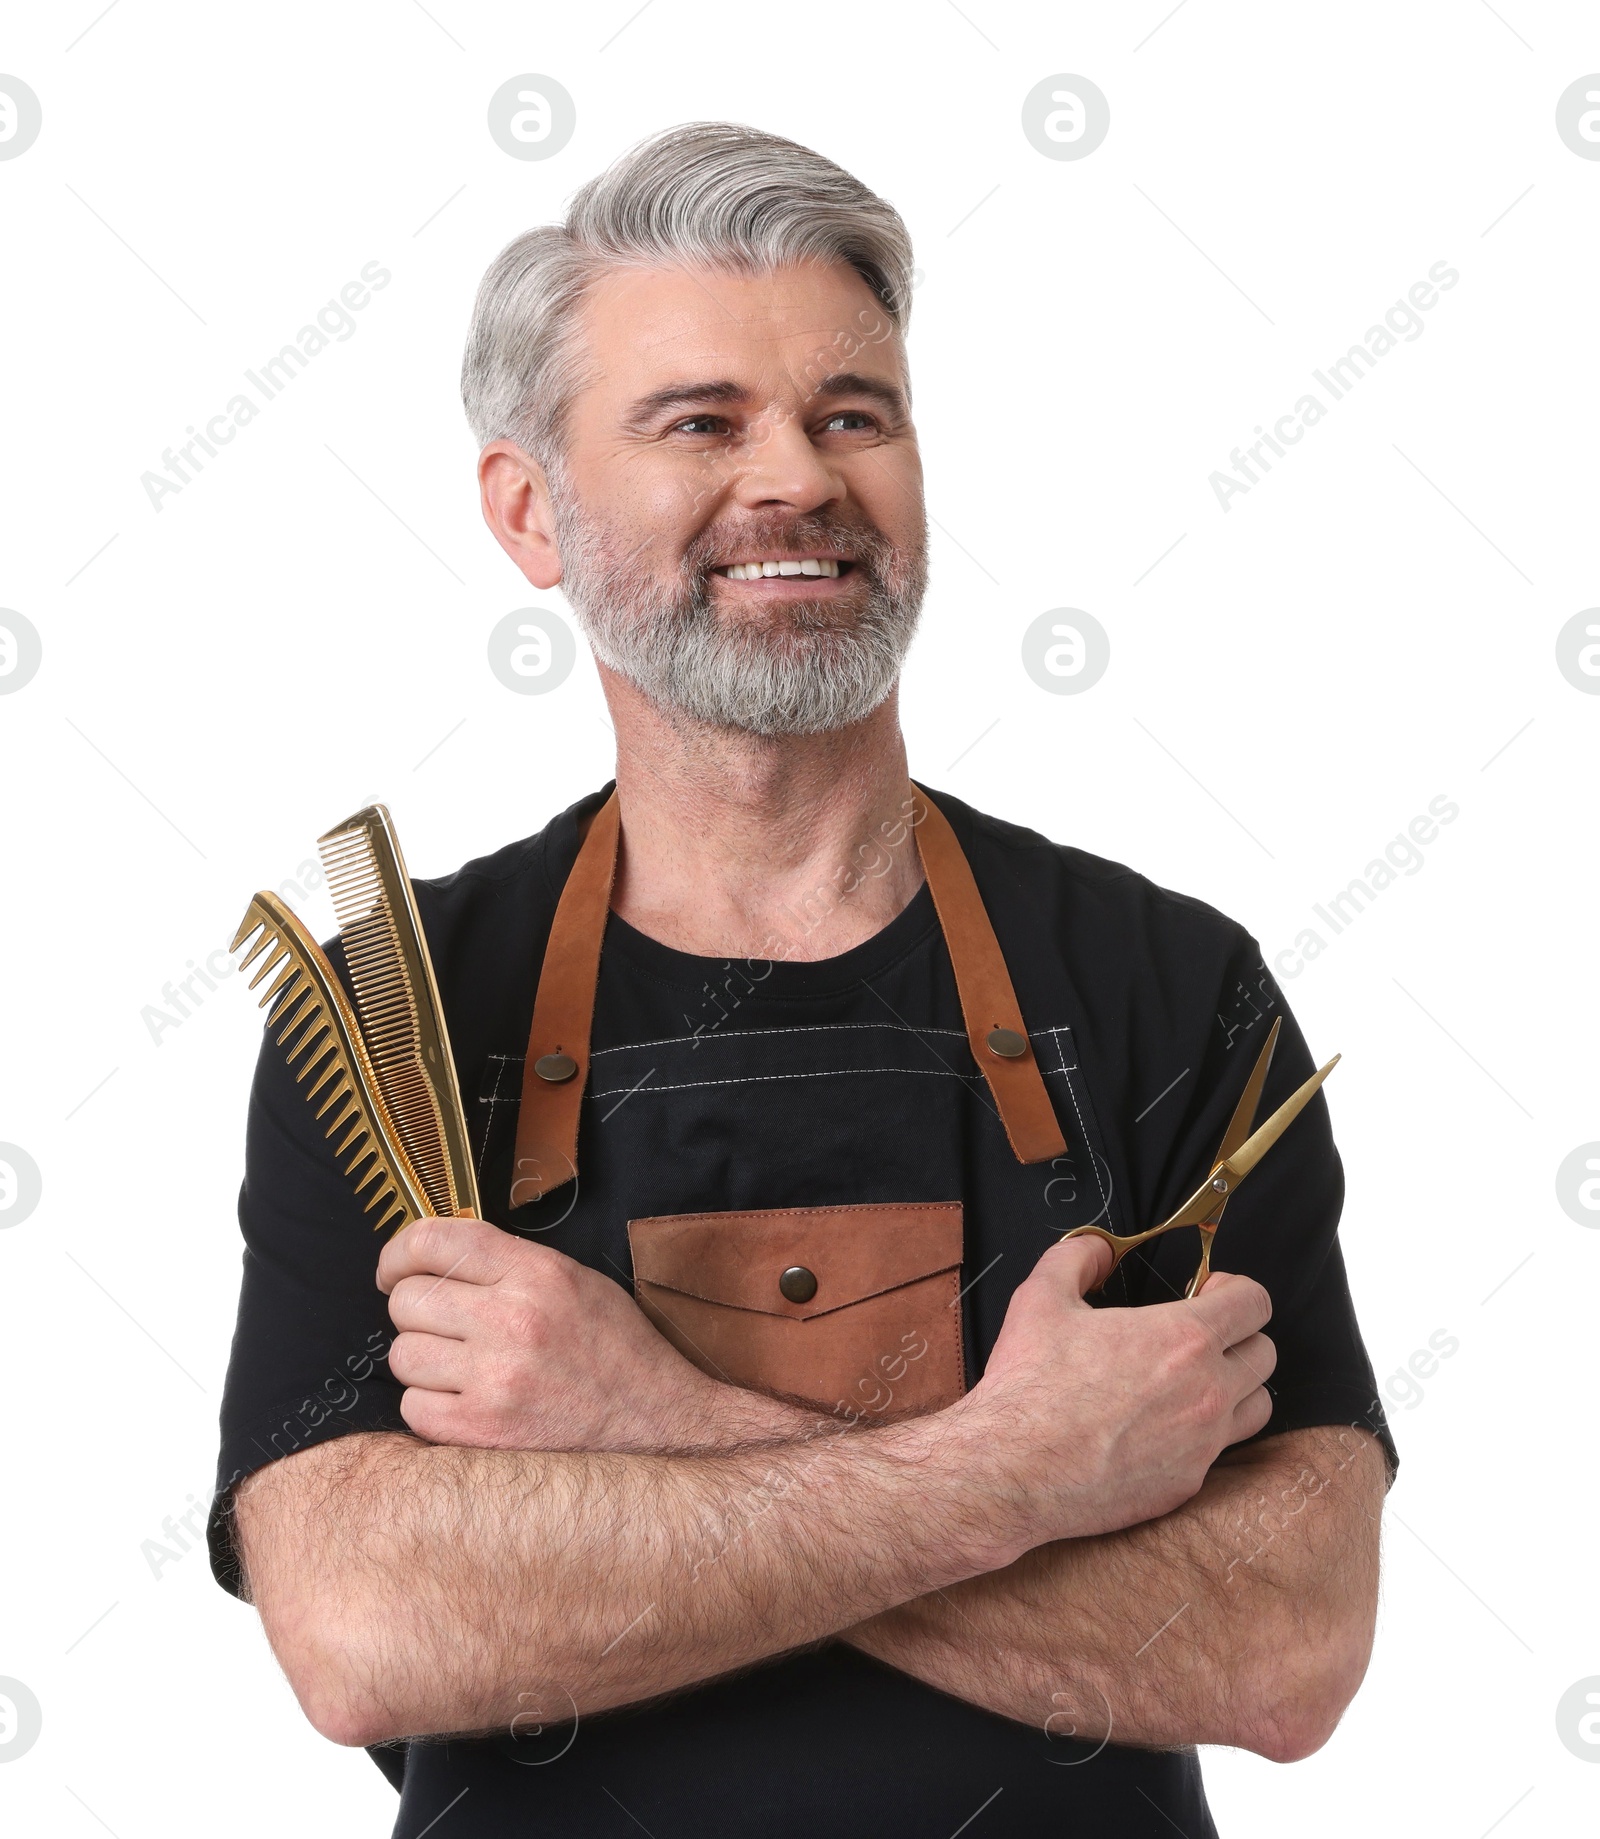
(1255, 1146)
(1244, 1114)
(1204, 1207)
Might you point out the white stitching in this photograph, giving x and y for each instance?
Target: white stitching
(493, 1099)
(714, 1033)
(840, 1072)
(751, 1034)
(835, 1072)
(1083, 1131)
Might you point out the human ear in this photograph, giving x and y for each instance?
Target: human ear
(515, 495)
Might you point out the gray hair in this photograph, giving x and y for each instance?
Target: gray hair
(712, 194)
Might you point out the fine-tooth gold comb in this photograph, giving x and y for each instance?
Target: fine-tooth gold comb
(402, 1020)
(383, 1067)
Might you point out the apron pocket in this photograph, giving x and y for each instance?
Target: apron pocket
(852, 1310)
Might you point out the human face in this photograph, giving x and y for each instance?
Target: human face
(734, 421)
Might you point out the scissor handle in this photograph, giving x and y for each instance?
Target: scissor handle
(1120, 1244)
(1208, 1236)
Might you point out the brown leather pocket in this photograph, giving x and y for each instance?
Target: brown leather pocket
(879, 1335)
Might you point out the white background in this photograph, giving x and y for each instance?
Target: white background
(303, 628)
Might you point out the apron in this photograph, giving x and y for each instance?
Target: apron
(847, 1309)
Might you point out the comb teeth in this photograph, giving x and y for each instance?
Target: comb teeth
(401, 1026)
(307, 1009)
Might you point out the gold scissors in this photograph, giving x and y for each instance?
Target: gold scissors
(1238, 1153)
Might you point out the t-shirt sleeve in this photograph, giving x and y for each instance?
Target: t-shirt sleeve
(309, 1358)
(1281, 1227)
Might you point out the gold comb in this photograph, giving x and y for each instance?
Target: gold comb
(397, 1000)
(308, 999)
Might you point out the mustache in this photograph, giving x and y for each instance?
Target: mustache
(863, 544)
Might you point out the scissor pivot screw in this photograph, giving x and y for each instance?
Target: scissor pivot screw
(1219, 1184)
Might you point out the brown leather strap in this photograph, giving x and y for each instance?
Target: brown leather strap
(563, 1012)
(563, 1009)
(996, 1032)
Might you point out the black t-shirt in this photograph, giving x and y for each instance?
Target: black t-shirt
(719, 1084)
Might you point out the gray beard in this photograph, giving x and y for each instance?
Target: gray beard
(808, 669)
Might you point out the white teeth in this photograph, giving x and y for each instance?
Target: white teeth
(756, 571)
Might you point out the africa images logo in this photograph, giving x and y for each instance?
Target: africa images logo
(1402, 321)
(334, 323)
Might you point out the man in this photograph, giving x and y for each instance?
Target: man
(585, 1564)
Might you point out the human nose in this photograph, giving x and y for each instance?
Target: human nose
(779, 464)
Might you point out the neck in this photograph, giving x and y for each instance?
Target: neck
(739, 845)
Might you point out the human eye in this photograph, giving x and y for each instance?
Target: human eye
(701, 425)
(863, 421)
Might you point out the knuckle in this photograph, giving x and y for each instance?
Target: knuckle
(1211, 1402)
(1172, 1357)
(499, 1386)
(1194, 1341)
(406, 1296)
(522, 1322)
(394, 1254)
(427, 1238)
(553, 1272)
(489, 1242)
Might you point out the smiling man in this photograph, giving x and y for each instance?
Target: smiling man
(764, 1462)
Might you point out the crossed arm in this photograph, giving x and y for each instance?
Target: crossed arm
(592, 1522)
(1245, 1617)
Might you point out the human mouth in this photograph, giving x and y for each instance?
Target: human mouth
(768, 568)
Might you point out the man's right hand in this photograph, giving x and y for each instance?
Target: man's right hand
(1089, 1420)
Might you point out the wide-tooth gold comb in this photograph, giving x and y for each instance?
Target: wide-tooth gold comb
(308, 999)
(397, 1000)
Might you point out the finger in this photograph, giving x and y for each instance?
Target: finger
(471, 1250)
(1250, 1415)
(433, 1305)
(1080, 1265)
(432, 1415)
(430, 1361)
(1252, 1360)
(1232, 1306)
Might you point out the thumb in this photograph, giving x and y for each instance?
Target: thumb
(1081, 1264)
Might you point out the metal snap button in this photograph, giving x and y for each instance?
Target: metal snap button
(557, 1069)
(798, 1284)
(1007, 1043)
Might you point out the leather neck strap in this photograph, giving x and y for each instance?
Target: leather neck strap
(556, 1069)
